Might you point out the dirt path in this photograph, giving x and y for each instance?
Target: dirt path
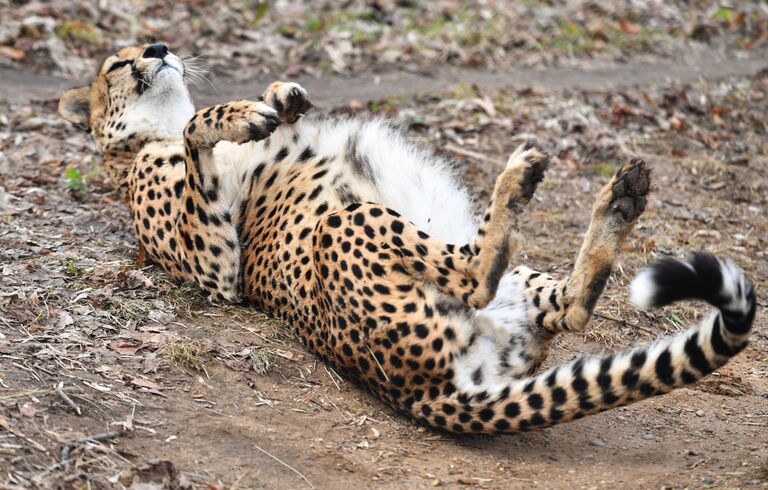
(334, 90)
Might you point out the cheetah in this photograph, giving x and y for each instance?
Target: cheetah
(367, 247)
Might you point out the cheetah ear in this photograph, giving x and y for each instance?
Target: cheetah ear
(75, 107)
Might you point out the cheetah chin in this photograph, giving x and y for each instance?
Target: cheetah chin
(366, 245)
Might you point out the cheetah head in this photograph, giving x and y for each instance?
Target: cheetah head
(140, 92)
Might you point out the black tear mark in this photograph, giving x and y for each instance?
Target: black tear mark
(141, 85)
(119, 64)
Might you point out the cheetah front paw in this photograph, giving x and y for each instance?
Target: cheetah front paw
(239, 122)
(260, 120)
(289, 99)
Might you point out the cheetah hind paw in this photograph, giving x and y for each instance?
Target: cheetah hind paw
(532, 164)
(629, 190)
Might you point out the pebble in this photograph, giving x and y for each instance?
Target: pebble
(699, 413)
(597, 442)
(707, 480)
(649, 437)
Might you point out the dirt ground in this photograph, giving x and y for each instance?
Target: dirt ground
(111, 376)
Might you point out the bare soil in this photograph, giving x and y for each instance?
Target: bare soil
(176, 392)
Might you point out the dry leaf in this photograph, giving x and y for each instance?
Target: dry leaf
(629, 27)
(572, 165)
(145, 383)
(738, 19)
(13, 53)
(676, 122)
(27, 410)
(140, 256)
(650, 245)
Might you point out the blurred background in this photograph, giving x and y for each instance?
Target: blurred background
(292, 37)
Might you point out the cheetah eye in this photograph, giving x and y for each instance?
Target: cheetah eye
(119, 64)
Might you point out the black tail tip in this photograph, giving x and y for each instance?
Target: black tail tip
(703, 276)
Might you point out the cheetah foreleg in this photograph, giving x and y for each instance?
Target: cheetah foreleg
(210, 248)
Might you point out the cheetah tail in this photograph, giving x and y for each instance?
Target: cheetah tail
(589, 385)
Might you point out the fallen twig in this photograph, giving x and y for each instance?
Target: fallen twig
(68, 447)
(332, 378)
(286, 465)
(471, 154)
(34, 443)
(377, 362)
(59, 389)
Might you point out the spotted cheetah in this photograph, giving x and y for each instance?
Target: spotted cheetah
(367, 247)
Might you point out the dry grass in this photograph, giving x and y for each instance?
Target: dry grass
(263, 360)
(188, 355)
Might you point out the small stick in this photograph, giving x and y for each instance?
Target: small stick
(332, 378)
(346, 419)
(68, 447)
(286, 465)
(37, 445)
(377, 362)
(471, 154)
(59, 388)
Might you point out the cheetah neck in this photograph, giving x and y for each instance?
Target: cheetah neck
(120, 157)
(156, 120)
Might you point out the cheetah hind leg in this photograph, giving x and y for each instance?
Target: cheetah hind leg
(568, 305)
(469, 274)
(490, 251)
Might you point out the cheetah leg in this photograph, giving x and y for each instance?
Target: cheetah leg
(487, 258)
(289, 99)
(208, 238)
(525, 345)
(469, 274)
(397, 254)
(568, 304)
(482, 263)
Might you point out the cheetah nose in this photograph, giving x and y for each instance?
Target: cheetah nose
(156, 51)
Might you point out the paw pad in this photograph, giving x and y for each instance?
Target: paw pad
(534, 173)
(630, 190)
(534, 165)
